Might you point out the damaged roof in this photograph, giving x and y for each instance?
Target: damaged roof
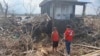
(66, 1)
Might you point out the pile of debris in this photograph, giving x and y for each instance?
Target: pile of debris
(93, 34)
(25, 46)
(13, 42)
(15, 47)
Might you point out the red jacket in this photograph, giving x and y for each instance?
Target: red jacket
(69, 33)
(55, 36)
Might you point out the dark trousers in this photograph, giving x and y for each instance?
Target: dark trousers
(67, 43)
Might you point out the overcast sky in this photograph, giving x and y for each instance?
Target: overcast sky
(23, 6)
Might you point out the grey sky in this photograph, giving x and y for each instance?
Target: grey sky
(23, 6)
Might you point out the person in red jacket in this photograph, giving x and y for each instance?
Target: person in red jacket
(55, 38)
(68, 36)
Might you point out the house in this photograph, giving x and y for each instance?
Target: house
(61, 9)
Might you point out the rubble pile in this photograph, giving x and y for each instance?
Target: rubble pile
(24, 45)
(92, 32)
(11, 46)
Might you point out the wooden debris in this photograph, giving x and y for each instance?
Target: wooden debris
(30, 51)
(92, 47)
(96, 53)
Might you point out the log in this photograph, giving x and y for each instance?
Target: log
(30, 51)
(61, 53)
(92, 47)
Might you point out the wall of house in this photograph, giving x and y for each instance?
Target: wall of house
(61, 11)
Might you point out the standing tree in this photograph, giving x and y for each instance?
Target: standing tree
(97, 7)
(29, 8)
(6, 9)
(1, 9)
